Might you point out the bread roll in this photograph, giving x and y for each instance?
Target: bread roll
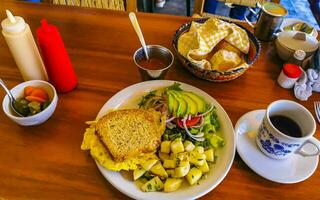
(224, 60)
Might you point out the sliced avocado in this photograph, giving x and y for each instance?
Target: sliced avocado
(182, 105)
(201, 104)
(180, 97)
(193, 107)
(172, 103)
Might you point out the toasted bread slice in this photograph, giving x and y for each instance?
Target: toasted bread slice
(160, 120)
(129, 132)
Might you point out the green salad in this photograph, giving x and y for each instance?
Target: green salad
(188, 144)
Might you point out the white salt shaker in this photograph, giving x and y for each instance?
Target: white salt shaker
(289, 75)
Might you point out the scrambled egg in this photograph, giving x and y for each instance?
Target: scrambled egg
(98, 151)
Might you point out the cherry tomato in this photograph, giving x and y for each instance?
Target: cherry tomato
(193, 121)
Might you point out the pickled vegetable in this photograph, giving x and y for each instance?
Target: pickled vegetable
(21, 105)
(34, 107)
(34, 101)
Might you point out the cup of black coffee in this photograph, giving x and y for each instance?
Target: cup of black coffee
(286, 127)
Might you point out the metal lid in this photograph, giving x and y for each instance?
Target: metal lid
(290, 40)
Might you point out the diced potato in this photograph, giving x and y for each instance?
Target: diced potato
(183, 156)
(163, 156)
(183, 163)
(197, 158)
(137, 173)
(188, 145)
(165, 146)
(205, 167)
(158, 170)
(209, 155)
(148, 164)
(169, 164)
(153, 185)
(194, 175)
(181, 171)
(199, 149)
(170, 173)
(177, 146)
(172, 156)
(172, 184)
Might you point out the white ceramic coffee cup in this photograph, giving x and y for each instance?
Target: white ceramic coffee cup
(277, 145)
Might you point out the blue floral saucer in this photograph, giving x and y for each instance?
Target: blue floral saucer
(292, 170)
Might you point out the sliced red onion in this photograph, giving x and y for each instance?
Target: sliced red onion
(199, 135)
(189, 117)
(200, 125)
(208, 111)
(200, 139)
(170, 119)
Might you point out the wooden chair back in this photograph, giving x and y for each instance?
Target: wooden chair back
(125, 5)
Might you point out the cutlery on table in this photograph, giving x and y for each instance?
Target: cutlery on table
(317, 110)
(136, 27)
(11, 97)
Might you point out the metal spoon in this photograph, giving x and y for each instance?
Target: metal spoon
(11, 98)
(135, 24)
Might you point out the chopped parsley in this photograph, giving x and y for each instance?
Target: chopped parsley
(175, 86)
(149, 186)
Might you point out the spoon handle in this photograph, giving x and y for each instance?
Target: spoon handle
(136, 27)
(7, 90)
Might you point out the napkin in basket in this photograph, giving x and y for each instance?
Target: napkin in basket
(199, 41)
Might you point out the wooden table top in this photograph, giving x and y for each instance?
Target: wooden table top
(45, 162)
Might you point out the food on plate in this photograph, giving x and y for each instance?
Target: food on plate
(170, 139)
(124, 138)
(224, 60)
(34, 101)
(204, 42)
(127, 133)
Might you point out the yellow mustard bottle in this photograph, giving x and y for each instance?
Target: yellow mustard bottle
(19, 38)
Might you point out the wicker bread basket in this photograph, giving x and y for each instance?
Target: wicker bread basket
(214, 75)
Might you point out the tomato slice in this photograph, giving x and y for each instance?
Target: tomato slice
(192, 122)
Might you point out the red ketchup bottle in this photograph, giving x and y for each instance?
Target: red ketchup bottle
(55, 57)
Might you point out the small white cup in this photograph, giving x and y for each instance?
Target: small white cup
(39, 118)
(277, 145)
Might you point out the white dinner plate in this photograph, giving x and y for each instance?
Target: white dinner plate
(292, 170)
(218, 170)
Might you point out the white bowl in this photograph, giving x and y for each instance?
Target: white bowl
(18, 92)
(287, 44)
(290, 21)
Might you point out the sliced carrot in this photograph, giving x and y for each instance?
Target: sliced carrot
(28, 90)
(36, 99)
(40, 93)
